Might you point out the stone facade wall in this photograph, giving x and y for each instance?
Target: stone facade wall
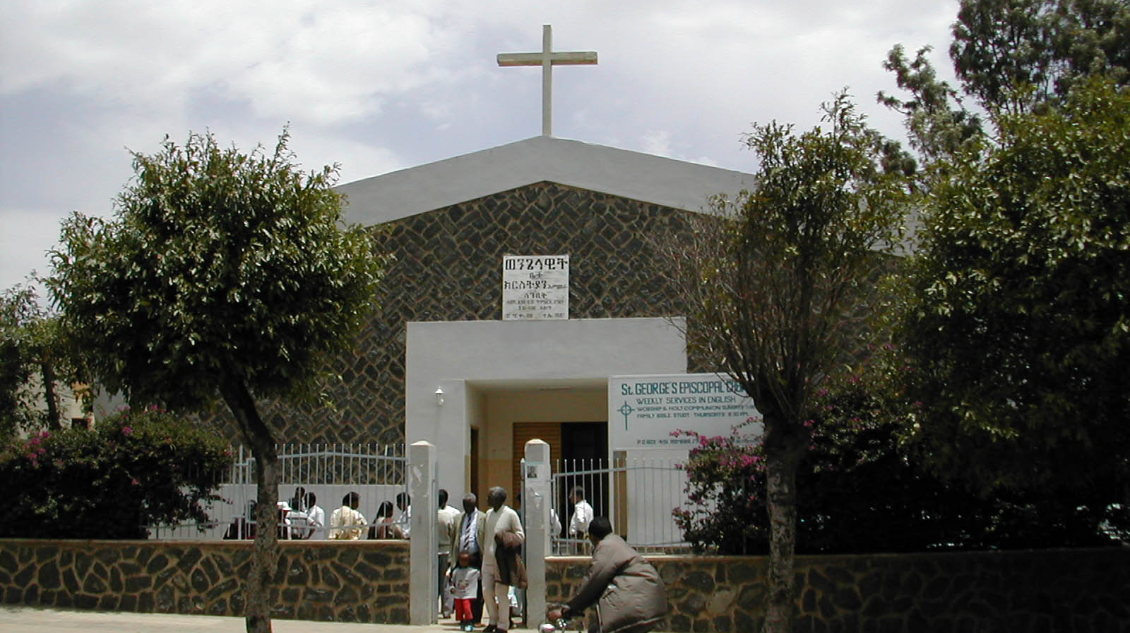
(448, 267)
(365, 581)
(1066, 591)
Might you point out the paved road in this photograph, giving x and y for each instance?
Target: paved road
(29, 620)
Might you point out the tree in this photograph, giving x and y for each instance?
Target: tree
(1014, 322)
(34, 359)
(1010, 57)
(779, 288)
(1015, 56)
(1018, 323)
(221, 273)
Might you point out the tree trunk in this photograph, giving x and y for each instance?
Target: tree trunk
(265, 555)
(783, 453)
(51, 396)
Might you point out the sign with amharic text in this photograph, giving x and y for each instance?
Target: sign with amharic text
(535, 287)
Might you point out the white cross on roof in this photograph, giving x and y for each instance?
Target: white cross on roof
(547, 59)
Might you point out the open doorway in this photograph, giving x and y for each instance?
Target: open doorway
(584, 460)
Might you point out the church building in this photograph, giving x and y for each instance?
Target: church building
(523, 279)
(439, 362)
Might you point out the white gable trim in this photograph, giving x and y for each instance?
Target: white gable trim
(619, 172)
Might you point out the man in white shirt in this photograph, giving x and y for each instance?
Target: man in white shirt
(499, 520)
(582, 514)
(446, 529)
(404, 510)
(315, 518)
(346, 523)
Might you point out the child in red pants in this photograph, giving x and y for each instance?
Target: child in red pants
(465, 581)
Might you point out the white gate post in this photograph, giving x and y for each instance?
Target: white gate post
(424, 550)
(536, 502)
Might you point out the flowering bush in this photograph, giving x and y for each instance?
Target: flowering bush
(725, 487)
(133, 469)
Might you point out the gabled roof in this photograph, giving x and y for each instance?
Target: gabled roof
(634, 175)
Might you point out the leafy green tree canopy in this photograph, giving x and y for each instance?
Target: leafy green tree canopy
(780, 288)
(35, 358)
(1018, 54)
(219, 266)
(1018, 327)
(1010, 57)
(221, 273)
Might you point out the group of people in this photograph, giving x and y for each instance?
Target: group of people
(347, 523)
(300, 517)
(481, 553)
(480, 563)
(480, 559)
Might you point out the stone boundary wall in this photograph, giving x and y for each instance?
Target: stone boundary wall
(361, 581)
(1065, 591)
(1072, 591)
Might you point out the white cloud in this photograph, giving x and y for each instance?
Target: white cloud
(323, 62)
(657, 142)
(385, 84)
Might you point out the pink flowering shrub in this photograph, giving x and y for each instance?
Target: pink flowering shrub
(133, 469)
(725, 487)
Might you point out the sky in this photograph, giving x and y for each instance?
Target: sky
(376, 86)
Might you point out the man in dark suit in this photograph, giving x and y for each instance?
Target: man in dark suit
(467, 540)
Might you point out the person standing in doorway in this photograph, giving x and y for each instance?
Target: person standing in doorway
(582, 516)
(582, 513)
(501, 532)
(467, 541)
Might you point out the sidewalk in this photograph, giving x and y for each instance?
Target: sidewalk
(17, 619)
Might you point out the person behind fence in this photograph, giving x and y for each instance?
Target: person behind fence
(284, 520)
(298, 501)
(465, 589)
(467, 540)
(346, 523)
(315, 518)
(384, 527)
(404, 510)
(627, 591)
(582, 513)
(501, 537)
(446, 531)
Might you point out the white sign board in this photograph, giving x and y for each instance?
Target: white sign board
(644, 411)
(535, 287)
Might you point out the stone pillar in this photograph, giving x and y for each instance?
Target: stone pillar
(536, 503)
(424, 550)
